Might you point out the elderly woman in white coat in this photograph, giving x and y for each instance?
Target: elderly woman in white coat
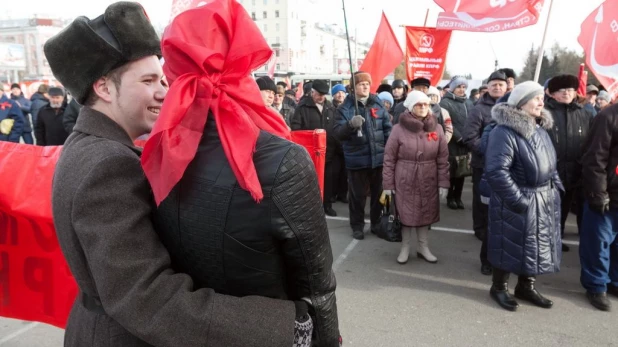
(416, 168)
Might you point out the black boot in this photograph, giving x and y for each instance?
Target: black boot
(358, 234)
(500, 290)
(565, 248)
(525, 290)
(599, 300)
(486, 269)
(613, 290)
(460, 204)
(328, 210)
(450, 203)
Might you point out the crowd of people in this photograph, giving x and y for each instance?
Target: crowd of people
(230, 232)
(419, 143)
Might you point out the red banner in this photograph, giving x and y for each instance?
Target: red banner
(488, 15)
(35, 281)
(426, 53)
(598, 39)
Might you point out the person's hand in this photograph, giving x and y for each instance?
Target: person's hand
(443, 193)
(388, 192)
(357, 122)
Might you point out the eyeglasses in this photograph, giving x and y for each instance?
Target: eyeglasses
(421, 105)
(566, 90)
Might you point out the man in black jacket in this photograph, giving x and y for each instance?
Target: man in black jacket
(571, 124)
(70, 115)
(478, 119)
(316, 112)
(598, 248)
(49, 130)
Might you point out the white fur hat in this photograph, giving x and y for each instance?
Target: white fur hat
(415, 97)
(434, 91)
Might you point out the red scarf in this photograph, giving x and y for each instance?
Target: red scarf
(209, 53)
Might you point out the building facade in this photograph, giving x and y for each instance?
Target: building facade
(301, 44)
(32, 34)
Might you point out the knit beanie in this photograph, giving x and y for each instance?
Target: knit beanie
(457, 81)
(604, 95)
(386, 96)
(15, 85)
(415, 97)
(337, 88)
(524, 92)
(434, 91)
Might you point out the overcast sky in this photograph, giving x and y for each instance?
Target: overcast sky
(468, 52)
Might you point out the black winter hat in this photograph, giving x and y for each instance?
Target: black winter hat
(510, 73)
(384, 88)
(266, 83)
(321, 86)
(55, 91)
(15, 85)
(497, 75)
(420, 82)
(399, 84)
(307, 87)
(87, 49)
(562, 81)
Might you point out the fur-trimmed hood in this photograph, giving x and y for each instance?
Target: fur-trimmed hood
(519, 120)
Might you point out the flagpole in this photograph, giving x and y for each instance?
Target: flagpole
(347, 34)
(426, 17)
(539, 61)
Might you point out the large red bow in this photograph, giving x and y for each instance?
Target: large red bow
(209, 53)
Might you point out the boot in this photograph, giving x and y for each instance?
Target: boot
(600, 301)
(450, 203)
(422, 247)
(405, 245)
(460, 204)
(500, 290)
(525, 290)
(329, 211)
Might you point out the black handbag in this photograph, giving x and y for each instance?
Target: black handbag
(462, 165)
(390, 225)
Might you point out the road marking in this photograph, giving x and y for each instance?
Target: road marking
(342, 257)
(450, 230)
(19, 332)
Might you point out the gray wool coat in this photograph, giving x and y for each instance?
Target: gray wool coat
(102, 207)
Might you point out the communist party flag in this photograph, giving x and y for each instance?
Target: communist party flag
(384, 55)
(488, 15)
(426, 53)
(598, 39)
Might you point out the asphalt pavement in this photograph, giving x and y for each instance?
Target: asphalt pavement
(382, 303)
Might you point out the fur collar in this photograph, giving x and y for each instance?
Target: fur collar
(519, 120)
(416, 125)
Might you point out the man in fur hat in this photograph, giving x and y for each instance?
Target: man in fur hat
(363, 130)
(129, 295)
(571, 124)
(510, 78)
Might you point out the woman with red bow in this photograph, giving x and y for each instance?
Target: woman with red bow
(416, 169)
(240, 208)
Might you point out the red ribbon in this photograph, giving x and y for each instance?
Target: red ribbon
(374, 113)
(432, 136)
(5, 104)
(209, 54)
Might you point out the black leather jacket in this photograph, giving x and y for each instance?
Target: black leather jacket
(278, 248)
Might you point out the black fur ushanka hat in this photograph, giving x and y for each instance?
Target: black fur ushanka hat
(87, 49)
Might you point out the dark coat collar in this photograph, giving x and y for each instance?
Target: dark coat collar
(95, 123)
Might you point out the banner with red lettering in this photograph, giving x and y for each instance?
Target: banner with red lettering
(488, 15)
(426, 50)
(598, 36)
(35, 281)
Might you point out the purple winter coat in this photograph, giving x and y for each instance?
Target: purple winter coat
(415, 166)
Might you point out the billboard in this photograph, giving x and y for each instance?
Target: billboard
(12, 56)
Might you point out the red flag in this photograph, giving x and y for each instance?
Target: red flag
(598, 39)
(426, 53)
(488, 15)
(583, 80)
(384, 55)
(35, 281)
(299, 91)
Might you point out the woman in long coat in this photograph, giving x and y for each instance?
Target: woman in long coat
(524, 207)
(416, 168)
